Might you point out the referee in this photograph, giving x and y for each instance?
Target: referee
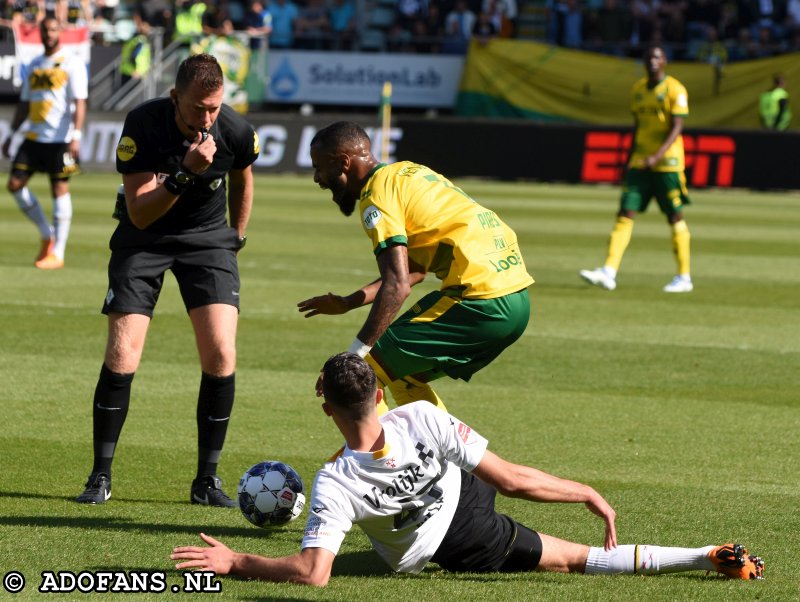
(175, 155)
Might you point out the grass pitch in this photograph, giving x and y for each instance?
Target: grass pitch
(682, 410)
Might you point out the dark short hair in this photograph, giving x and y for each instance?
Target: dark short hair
(338, 134)
(650, 48)
(202, 69)
(349, 383)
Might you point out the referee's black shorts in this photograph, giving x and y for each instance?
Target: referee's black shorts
(206, 273)
(479, 539)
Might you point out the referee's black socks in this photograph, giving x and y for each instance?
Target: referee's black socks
(214, 405)
(111, 400)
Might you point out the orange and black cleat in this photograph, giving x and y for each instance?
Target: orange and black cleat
(732, 560)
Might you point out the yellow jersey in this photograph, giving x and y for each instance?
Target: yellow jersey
(654, 108)
(471, 250)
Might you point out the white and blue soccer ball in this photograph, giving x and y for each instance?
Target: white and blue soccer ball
(271, 494)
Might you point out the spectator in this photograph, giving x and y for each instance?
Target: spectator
(284, 14)
(610, 28)
(700, 14)
(484, 28)
(505, 15)
(644, 22)
(312, 25)
(745, 48)
(671, 15)
(458, 28)
(758, 14)
(258, 24)
(429, 31)
(793, 15)
(342, 18)
(568, 26)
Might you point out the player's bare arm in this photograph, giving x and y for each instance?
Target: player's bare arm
(20, 115)
(332, 304)
(312, 566)
(79, 118)
(240, 198)
(514, 480)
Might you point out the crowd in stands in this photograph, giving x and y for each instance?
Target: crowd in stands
(714, 31)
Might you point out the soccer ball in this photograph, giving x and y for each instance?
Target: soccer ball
(270, 494)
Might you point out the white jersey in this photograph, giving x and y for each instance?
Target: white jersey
(52, 86)
(404, 496)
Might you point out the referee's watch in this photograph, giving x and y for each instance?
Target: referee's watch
(183, 178)
(242, 242)
(178, 182)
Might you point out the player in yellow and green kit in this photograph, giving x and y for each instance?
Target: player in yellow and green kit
(659, 104)
(419, 222)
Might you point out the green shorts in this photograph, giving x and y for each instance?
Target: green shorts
(447, 336)
(668, 187)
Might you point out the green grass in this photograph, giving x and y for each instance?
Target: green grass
(682, 410)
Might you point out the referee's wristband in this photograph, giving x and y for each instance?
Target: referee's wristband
(359, 348)
(172, 186)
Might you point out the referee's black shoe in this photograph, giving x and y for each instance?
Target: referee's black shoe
(98, 489)
(208, 491)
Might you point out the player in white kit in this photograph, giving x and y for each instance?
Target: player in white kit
(421, 484)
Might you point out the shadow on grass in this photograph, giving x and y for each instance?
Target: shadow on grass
(121, 523)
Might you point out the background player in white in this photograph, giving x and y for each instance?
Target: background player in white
(53, 99)
(421, 485)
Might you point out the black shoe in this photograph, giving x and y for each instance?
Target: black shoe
(98, 489)
(208, 491)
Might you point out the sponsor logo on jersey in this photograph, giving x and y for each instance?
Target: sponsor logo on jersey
(464, 432)
(256, 144)
(126, 149)
(371, 216)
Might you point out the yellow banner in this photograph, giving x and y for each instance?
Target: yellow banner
(513, 78)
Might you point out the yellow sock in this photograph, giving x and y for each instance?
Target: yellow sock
(408, 390)
(618, 242)
(680, 245)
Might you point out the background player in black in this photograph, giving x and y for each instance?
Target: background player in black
(174, 155)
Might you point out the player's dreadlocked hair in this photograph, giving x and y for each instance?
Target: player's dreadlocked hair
(203, 69)
(340, 133)
(349, 383)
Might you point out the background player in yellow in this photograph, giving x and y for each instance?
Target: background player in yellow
(659, 104)
(419, 222)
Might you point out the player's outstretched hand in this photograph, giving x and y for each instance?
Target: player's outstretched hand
(597, 505)
(329, 304)
(218, 558)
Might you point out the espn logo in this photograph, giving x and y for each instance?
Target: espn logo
(709, 159)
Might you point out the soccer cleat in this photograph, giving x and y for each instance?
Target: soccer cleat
(599, 277)
(679, 284)
(46, 249)
(98, 489)
(51, 262)
(208, 492)
(732, 560)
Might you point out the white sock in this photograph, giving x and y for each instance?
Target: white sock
(62, 219)
(647, 560)
(30, 206)
(610, 271)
